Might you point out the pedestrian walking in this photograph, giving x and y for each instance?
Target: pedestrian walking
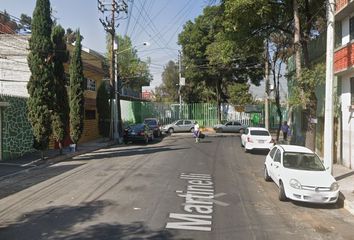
(196, 131)
(285, 129)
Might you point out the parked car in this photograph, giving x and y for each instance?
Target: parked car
(231, 127)
(255, 138)
(154, 124)
(300, 175)
(179, 126)
(140, 132)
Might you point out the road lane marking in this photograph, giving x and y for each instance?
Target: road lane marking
(198, 204)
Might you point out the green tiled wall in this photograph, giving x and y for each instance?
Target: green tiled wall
(17, 136)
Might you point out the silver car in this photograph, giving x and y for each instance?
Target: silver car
(231, 127)
(179, 126)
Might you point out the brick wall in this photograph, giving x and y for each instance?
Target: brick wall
(341, 4)
(344, 58)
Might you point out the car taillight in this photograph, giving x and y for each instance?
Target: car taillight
(272, 141)
(249, 139)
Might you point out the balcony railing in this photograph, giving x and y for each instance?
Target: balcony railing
(344, 8)
(341, 4)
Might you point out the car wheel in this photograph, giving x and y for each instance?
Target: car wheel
(242, 131)
(282, 196)
(170, 130)
(191, 130)
(266, 175)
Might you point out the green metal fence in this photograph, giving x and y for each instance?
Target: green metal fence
(204, 113)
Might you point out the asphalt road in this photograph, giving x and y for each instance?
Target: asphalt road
(173, 189)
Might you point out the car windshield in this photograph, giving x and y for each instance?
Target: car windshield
(302, 161)
(137, 127)
(259, 133)
(150, 121)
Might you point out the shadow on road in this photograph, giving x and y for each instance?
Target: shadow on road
(77, 222)
(32, 177)
(124, 152)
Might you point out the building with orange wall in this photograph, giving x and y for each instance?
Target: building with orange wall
(94, 75)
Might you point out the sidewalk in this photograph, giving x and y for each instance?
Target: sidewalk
(345, 179)
(10, 168)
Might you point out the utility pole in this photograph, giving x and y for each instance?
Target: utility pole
(111, 12)
(267, 86)
(179, 83)
(328, 125)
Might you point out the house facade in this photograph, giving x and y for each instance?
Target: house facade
(344, 71)
(14, 76)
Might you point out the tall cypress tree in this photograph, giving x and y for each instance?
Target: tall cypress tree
(40, 85)
(76, 92)
(60, 116)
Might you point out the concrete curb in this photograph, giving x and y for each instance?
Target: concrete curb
(346, 204)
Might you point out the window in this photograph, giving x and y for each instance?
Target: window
(259, 133)
(352, 91)
(187, 122)
(179, 122)
(277, 156)
(272, 152)
(90, 114)
(90, 84)
(237, 124)
(351, 28)
(229, 124)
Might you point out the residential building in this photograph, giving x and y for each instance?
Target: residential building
(344, 71)
(14, 76)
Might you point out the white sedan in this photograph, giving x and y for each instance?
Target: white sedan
(300, 175)
(256, 138)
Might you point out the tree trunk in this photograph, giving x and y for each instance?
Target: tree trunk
(297, 42)
(310, 135)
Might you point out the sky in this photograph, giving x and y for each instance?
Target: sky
(157, 22)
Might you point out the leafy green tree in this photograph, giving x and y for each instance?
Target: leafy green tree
(133, 72)
(41, 83)
(25, 20)
(76, 92)
(262, 18)
(103, 109)
(214, 59)
(168, 90)
(239, 94)
(60, 116)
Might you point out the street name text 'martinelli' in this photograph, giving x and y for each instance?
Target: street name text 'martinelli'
(198, 204)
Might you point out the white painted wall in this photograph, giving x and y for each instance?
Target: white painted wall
(347, 123)
(14, 71)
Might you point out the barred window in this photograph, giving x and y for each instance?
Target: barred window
(90, 84)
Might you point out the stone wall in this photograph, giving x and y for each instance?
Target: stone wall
(17, 136)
